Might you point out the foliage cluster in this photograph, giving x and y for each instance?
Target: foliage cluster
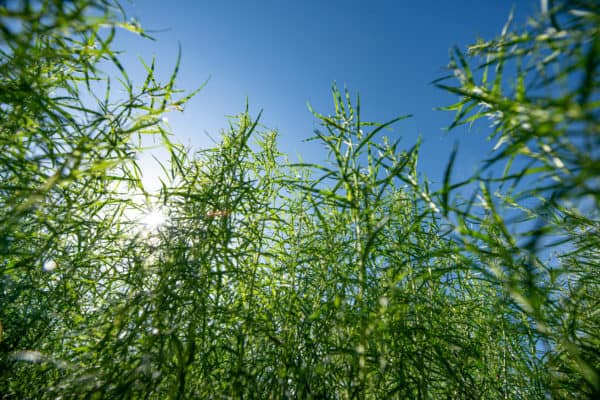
(350, 279)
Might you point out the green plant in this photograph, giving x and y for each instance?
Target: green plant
(533, 229)
(260, 278)
(67, 164)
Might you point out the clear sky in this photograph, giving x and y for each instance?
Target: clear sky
(282, 54)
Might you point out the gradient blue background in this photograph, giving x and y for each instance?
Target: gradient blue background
(282, 54)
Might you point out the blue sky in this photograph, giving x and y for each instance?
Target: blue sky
(282, 54)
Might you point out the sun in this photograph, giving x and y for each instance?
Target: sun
(153, 219)
(145, 219)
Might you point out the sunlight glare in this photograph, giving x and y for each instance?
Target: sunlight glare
(153, 219)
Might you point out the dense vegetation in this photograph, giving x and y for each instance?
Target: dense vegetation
(351, 279)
